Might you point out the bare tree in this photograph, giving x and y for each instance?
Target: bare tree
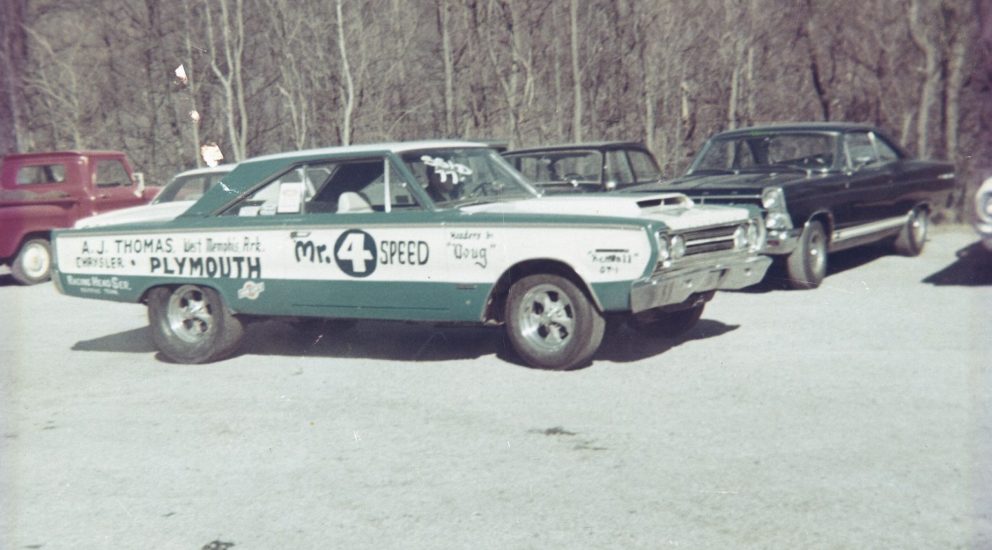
(226, 65)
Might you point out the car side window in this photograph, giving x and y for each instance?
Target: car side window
(111, 173)
(329, 187)
(645, 169)
(860, 149)
(885, 152)
(40, 174)
(617, 168)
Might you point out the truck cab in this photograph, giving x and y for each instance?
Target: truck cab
(43, 191)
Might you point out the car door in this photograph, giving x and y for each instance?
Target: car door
(868, 185)
(348, 238)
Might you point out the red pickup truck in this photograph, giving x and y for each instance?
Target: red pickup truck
(43, 191)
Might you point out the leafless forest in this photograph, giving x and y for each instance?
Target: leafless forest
(272, 75)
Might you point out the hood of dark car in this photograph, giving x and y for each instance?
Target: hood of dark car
(746, 182)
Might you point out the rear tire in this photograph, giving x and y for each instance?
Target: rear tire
(33, 263)
(190, 324)
(913, 236)
(551, 323)
(807, 265)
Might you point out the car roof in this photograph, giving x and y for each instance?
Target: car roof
(605, 145)
(254, 170)
(397, 147)
(785, 127)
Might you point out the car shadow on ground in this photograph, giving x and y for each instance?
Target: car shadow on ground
(407, 342)
(837, 262)
(7, 280)
(972, 268)
(130, 341)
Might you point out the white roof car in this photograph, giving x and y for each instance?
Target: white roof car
(175, 198)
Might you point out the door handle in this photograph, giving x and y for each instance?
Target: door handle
(103, 196)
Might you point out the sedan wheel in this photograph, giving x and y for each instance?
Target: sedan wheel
(913, 235)
(191, 325)
(807, 265)
(551, 323)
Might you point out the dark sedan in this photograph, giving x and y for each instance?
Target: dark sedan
(586, 167)
(824, 187)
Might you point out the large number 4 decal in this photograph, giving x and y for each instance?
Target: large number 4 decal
(355, 254)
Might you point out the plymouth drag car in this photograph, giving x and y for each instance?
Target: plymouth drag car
(420, 231)
(824, 187)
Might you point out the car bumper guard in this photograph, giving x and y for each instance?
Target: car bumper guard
(676, 285)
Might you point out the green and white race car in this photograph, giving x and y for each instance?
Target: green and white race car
(439, 231)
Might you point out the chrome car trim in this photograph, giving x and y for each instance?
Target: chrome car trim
(842, 235)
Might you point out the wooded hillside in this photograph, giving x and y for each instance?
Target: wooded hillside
(272, 75)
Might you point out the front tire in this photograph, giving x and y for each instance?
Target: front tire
(551, 323)
(806, 266)
(913, 235)
(33, 263)
(669, 324)
(190, 324)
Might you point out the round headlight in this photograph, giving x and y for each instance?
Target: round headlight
(772, 198)
(752, 234)
(664, 251)
(678, 247)
(778, 220)
(740, 237)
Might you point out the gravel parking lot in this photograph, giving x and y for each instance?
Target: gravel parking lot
(856, 415)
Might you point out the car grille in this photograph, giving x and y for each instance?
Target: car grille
(700, 242)
(713, 239)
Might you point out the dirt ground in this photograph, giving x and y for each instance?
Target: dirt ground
(856, 415)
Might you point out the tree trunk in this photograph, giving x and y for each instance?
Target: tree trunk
(576, 73)
(349, 95)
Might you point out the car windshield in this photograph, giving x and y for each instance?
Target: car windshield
(573, 167)
(188, 187)
(454, 177)
(766, 152)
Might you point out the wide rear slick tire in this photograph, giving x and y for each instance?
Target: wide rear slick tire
(190, 324)
(913, 236)
(806, 266)
(551, 323)
(33, 263)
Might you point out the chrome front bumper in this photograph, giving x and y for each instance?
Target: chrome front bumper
(782, 241)
(676, 285)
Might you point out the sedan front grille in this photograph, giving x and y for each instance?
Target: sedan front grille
(712, 239)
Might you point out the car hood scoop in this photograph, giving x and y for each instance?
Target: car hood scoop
(674, 209)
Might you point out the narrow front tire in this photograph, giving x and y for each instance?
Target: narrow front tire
(551, 323)
(806, 266)
(913, 236)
